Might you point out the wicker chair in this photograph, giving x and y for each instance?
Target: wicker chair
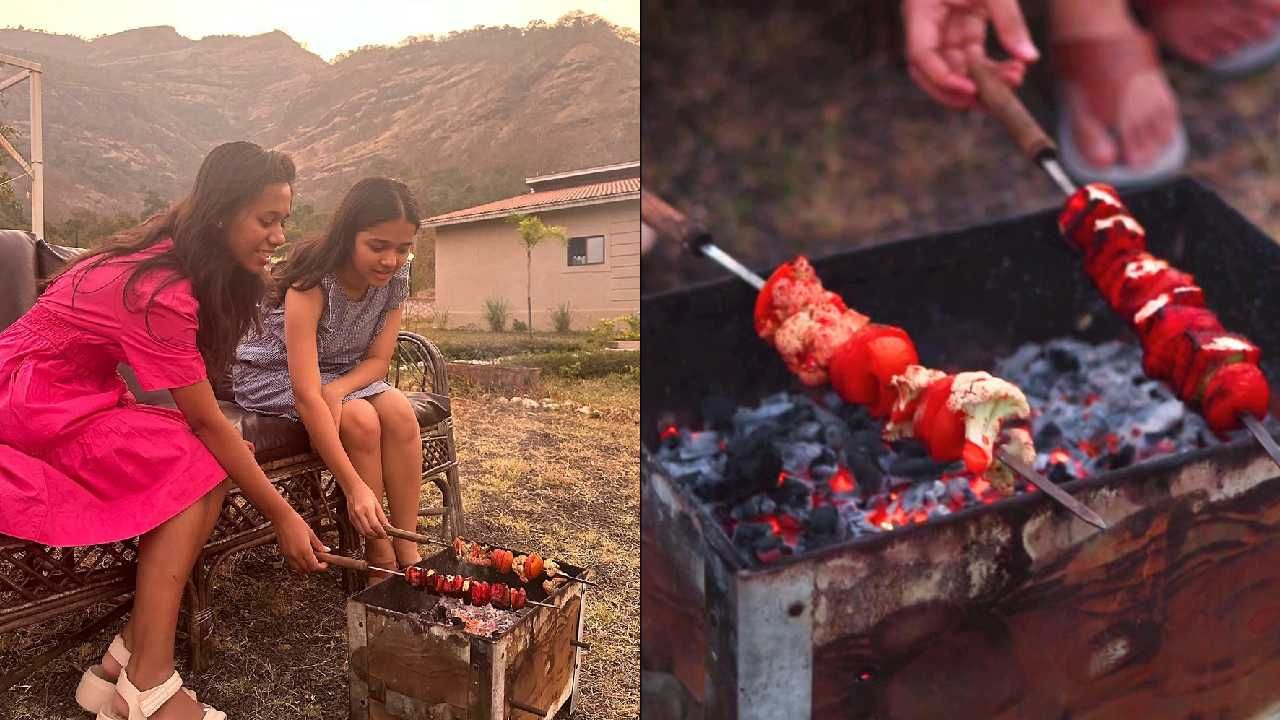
(38, 582)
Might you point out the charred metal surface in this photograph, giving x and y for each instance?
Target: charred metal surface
(1010, 610)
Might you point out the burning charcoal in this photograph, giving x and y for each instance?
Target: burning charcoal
(717, 412)
(756, 537)
(1122, 458)
(1059, 473)
(699, 445)
(753, 467)
(917, 467)
(798, 456)
(754, 506)
(811, 431)
(1049, 435)
(793, 491)
(867, 471)
(824, 521)
(825, 465)
(1062, 360)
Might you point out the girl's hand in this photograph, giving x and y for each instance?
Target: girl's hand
(942, 34)
(298, 543)
(333, 399)
(365, 512)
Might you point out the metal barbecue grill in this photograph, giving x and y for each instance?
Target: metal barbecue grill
(1013, 609)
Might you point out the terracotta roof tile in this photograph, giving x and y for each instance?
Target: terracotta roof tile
(534, 200)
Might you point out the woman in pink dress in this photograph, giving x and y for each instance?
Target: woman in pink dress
(81, 462)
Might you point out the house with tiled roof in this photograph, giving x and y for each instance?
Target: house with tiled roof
(596, 271)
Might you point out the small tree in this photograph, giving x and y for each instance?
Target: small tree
(532, 232)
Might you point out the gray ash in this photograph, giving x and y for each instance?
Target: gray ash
(801, 471)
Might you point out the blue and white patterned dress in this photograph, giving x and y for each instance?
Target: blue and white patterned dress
(260, 376)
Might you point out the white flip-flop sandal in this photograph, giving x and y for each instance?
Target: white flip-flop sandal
(1096, 58)
(145, 703)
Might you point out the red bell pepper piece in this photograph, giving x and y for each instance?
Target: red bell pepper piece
(861, 370)
(518, 597)
(415, 576)
(939, 428)
(1209, 350)
(1085, 207)
(1137, 286)
(1235, 389)
(479, 592)
(1112, 236)
(533, 566)
(499, 595)
(1160, 352)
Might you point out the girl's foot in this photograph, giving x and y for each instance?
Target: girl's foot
(1208, 32)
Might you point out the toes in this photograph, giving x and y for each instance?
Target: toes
(1095, 142)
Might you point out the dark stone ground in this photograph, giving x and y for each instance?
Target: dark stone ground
(778, 128)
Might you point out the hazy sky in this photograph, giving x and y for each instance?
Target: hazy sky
(326, 27)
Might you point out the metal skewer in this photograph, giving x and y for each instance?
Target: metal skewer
(1004, 104)
(671, 222)
(364, 566)
(396, 532)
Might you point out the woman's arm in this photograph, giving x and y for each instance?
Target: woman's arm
(298, 542)
(302, 310)
(376, 362)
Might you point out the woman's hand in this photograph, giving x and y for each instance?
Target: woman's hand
(298, 543)
(365, 511)
(941, 35)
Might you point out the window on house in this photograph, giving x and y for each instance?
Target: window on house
(586, 250)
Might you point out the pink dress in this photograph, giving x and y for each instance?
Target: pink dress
(81, 462)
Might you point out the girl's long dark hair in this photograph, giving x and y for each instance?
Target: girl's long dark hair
(369, 202)
(231, 176)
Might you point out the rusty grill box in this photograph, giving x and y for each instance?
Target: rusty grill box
(1011, 610)
(403, 667)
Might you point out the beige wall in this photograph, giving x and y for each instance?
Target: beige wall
(475, 261)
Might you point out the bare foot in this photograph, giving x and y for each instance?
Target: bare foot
(1205, 30)
(1121, 108)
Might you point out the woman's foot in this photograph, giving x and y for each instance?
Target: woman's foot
(1120, 121)
(1206, 31)
(182, 706)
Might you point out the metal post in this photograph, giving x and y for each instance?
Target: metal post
(35, 168)
(37, 155)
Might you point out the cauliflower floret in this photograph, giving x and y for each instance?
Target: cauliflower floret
(807, 340)
(910, 385)
(986, 402)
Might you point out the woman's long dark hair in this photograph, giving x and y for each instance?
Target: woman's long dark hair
(231, 176)
(369, 202)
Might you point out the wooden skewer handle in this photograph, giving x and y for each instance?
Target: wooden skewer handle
(343, 561)
(670, 223)
(1004, 105)
(416, 537)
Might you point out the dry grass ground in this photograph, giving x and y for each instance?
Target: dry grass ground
(555, 481)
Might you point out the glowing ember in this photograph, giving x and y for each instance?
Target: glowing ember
(842, 481)
(669, 432)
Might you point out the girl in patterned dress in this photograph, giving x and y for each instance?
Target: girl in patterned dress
(81, 462)
(337, 310)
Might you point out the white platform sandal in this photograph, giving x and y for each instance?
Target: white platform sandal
(145, 703)
(95, 689)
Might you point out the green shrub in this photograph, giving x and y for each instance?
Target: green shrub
(632, 324)
(495, 313)
(577, 365)
(562, 318)
(519, 326)
(440, 319)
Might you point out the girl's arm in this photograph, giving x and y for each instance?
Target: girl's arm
(302, 310)
(298, 542)
(376, 362)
